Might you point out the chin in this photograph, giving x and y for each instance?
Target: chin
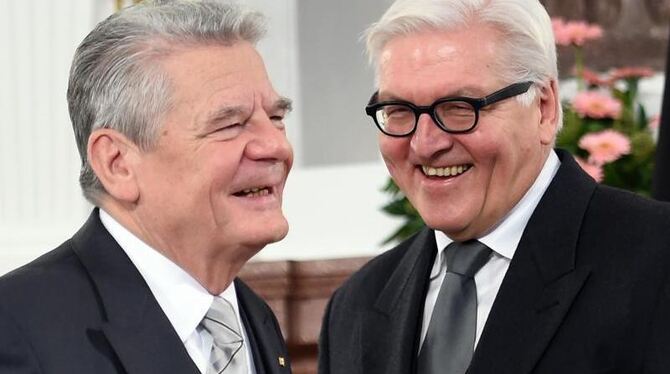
(269, 234)
(437, 222)
(278, 235)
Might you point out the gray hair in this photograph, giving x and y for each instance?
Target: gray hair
(116, 82)
(528, 50)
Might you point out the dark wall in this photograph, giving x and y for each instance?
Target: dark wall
(661, 186)
(635, 32)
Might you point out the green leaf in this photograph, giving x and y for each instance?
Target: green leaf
(400, 206)
(396, 207)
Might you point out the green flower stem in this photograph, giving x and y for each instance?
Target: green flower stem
(579, 67)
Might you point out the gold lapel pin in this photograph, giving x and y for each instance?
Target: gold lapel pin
(281, 360)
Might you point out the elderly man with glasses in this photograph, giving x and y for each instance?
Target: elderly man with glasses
(526, 264)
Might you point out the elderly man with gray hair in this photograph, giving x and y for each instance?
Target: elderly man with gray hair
(526, 264)
(185, 156)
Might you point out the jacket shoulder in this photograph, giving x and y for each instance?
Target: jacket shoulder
(625, 233)
(633, 214)
(366, 283)
(55, 268)
(55, 281)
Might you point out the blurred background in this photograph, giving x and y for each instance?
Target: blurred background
(314, 55)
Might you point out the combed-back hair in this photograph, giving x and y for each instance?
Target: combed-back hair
(527, 50)
(116, 80)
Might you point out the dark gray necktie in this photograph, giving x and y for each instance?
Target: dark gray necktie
(228, 354)
(450, 340)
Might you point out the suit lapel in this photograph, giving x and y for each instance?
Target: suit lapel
(542, 280)
(390, 330)
(135, 325)
(267, 345)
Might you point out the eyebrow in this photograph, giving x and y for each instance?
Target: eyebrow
(283, 103)
(225, 113)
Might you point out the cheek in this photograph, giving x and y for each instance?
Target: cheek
(219, 178)
(486, 145)
(492, 157)
(505, 159)
(394, 151)
(394, 157)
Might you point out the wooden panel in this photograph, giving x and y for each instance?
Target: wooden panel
(298, 291)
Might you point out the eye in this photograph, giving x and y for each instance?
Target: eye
(391, 111)
(278, 118)
(228, 131)
(230, 127)
(455, 108)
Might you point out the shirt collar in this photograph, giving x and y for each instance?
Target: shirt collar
(506, 235)
(171, 285)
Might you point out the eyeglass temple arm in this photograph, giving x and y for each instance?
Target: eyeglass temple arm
(513, 90)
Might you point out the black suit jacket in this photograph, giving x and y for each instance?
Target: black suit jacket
(84, 308)
(586, 292)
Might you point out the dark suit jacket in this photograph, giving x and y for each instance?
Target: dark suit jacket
(84, 308)
(586, 292)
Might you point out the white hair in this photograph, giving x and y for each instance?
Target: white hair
(527, 49)
(115, 80)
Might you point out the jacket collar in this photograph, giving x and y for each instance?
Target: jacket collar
(542, 280)
(269, 350)
(390, 330)
(134, 323)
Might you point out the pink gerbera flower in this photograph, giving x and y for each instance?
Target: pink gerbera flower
(596, 105)
(654, 122)
(574, 32)
(595, 171)
(631, 72)
(592, 78)
(605, 146)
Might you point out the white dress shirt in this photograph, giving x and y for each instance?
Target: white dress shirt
(502, 239)
(184, 301)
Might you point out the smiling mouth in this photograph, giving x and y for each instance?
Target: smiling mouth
(254, 192)
(447, 171)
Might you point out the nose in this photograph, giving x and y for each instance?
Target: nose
(428, 139)
(269, 141)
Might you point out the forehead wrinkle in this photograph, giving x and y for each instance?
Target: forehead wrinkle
(423, 61)
(470, 91)
(225, 112)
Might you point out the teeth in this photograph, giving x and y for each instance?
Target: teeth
(444, 172)
(256, 191)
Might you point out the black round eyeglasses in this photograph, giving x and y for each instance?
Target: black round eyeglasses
(454, 115)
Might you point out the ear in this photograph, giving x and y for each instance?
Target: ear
(111, 156)
(549, 115)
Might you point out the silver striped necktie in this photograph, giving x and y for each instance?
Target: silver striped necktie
(228, 354)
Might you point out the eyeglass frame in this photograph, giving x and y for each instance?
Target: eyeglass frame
(507, 92)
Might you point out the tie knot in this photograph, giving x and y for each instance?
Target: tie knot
(466, 258)
(222, 310)
(221, 321)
